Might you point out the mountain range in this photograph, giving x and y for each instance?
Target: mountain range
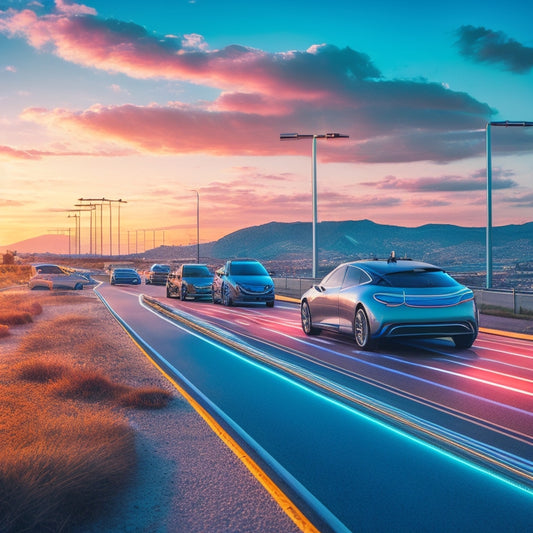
(442, 244)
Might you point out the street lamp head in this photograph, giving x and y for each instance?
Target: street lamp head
(511, 123)
(336, 136)
(286, 136)
(291, 136)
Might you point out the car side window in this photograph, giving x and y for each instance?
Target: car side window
(335, 278)
(352, 278)
(355, 276)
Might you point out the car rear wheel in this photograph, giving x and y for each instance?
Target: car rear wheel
(226, 297)
(307, 322)
(361, 329)
(464, 341)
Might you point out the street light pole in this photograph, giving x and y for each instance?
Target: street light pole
(197, 225)
(314, 137)
(488, 142)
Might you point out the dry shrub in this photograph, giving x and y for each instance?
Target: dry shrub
(41, 371)
(4, 330)
(32, 307)
(87, 385)
(11, 275)
(16, 310)
(58, 466)
(147, 398)
(15, 318)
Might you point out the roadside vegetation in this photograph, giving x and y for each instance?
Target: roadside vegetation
(67, 446)
(11, 275)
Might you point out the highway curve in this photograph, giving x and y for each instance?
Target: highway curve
(405, 440)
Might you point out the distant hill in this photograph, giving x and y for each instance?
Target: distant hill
(53, 244)
(443, 244)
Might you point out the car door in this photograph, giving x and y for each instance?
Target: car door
(59, 278)
(349, 295)
(325, 307)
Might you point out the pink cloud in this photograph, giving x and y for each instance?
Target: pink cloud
(324, 87)
(445, 183)
(74, 9)
(7, 152)
(177, 129)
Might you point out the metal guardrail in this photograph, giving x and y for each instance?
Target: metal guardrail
(515, 301)
(512, 300)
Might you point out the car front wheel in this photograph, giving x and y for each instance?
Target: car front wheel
(226, 297)
(183, 293)
(362, 329)
(307, 322)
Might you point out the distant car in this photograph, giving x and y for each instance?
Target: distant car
(190, 281)
(121, 276)
(243, 281)
(48, 276)
(394, 299)
(157, 275)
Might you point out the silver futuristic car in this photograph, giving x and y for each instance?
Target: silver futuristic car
(380, 299)
(48, 276)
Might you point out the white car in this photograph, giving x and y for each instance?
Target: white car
(48, 276)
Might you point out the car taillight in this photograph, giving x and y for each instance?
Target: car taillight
(390, 299)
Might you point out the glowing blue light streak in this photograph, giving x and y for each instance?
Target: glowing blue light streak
(344, 406)
(503, 459)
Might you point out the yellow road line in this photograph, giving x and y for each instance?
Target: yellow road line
(288, 506)
(512, 334)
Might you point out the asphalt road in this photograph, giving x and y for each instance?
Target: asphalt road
(411, 437)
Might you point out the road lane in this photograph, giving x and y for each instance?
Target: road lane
(317, 438)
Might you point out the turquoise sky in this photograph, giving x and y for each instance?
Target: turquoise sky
(148, 100)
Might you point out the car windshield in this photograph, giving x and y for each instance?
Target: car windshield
(248, 269)
(160, 268)
(418, 278)
(196, 271)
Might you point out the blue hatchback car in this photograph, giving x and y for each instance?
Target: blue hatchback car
(124, 276)
(243, 281)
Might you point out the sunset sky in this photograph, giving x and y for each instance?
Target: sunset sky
(148, 101)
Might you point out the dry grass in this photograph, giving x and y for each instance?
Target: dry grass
(59, 462)
(66, 446)
(16, 311)
(11, 275)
